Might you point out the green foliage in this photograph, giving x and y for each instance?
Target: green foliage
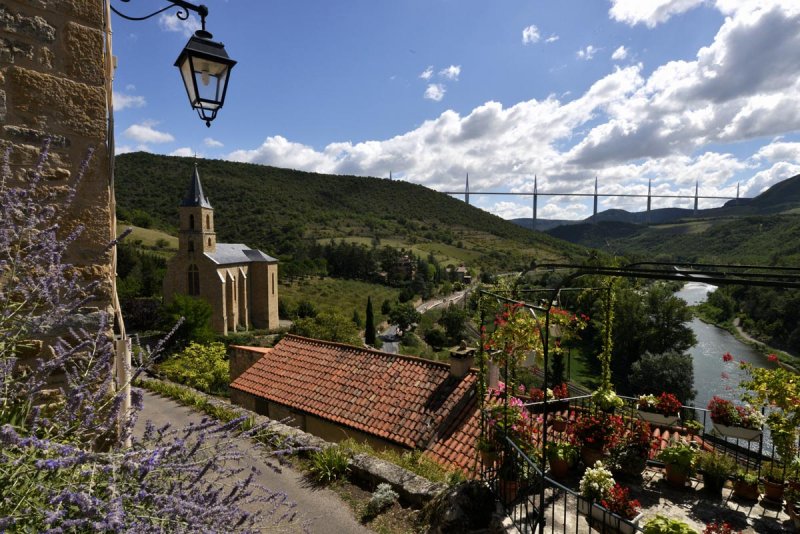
(329, 464)
(414, 461)
(382, 498)
(436, 338)
(386, 307)
(328, 326)
(196, 315)
(404, 316)
(680, 455)
(665, 525)
(306, 308)
(671, 372)
(357, 319)
(369, 330)
(453, 320)
(139, 273)
(204, 367)
(715, 464)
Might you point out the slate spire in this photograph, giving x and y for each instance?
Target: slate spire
(194, 193)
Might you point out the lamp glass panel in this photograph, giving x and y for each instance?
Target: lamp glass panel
(188, 79)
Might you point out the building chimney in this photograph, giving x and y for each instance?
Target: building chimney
(461, 359)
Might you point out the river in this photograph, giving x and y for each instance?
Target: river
(712, 342)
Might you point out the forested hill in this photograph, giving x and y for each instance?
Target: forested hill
(275, 209)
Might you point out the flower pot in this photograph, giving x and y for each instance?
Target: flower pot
(590, 456)
(489, 458)
(743, 490)
(712, 485)
(612, 523)
(559, 425)
(676, 476)
(773, 491)
(507, 490)
(559, 468)
(658, 419)
(738, 432)
(633, 467)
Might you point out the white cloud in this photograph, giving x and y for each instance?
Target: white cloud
(587, 53)
(185, 152)
(123, 149)
(451, 73)
(435, 92)
(761, 181)
(171, 23)
(146, 133)
(649, 12)
(530, 35)
(510, 210)
(427, 73)
(620, 54)
(631, 125)
(123, 101)
(213, 143)
(552, 39)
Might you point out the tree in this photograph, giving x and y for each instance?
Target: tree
(204, 367)
(329, 326)
(671, 372)
(436, 338)
(196, 314)
(306, 308)
(386, 307)
(357, 319)
(369, 331)
(404, 316)
(453, 320)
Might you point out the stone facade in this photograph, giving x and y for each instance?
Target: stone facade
(240, 283)
(55, 83)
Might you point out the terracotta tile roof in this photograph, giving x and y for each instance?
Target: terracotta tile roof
(401, 399)
(454, 445)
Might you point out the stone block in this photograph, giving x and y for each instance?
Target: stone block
(73, 107)
(12, 51)
(31, 26)
(90, 11)
(29, 135)
(2, 105)
(84, 54)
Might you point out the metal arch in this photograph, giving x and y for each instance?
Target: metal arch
(183, 11)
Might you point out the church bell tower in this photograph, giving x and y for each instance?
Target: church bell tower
(197, 234)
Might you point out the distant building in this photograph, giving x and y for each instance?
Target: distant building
(391, 401)
(240, 283)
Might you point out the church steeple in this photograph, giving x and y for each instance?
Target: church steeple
(194, 193)
(197, 234)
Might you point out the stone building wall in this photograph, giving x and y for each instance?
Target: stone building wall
(54, 84)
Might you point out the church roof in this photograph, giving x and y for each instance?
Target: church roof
(229, 253)
(194, 193)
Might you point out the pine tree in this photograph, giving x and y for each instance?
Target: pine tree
(369, 333)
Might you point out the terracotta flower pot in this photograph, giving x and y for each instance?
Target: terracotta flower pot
(559, 468)
(591, 456)
(773, 491)
(746, 491)
(675, 476)
(559, 425)
(508, 490)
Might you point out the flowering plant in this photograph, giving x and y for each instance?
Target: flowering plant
(617, 501)
(632, 447)
(666, 404)
(725, 412)
(561, 391)
(516, 333)
(716, 527)
(596, 482)
(600, 431)
(508, 417)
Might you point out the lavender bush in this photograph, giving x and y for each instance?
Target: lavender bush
(64, 466)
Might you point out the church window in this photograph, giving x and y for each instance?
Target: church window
(208, 222)
(191, 222)
(193, 280)
(209, 241)
(191, 246)
(273, 283)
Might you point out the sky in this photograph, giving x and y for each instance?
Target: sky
(673, 92)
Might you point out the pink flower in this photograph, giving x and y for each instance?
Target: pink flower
(727, 357)
(725, 375)
(521, 389)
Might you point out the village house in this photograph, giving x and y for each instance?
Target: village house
(338, 391)
(240, 283)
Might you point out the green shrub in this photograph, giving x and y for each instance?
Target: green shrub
(664, 525)
(382, 498)
(203, 367)
(329, 464)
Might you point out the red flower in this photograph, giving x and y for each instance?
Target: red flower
(727, 357)
(772, 358)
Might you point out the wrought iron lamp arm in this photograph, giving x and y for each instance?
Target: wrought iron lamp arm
(183, 13)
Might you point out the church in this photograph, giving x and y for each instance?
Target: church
(240, 283)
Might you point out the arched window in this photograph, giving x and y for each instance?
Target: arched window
(208, 222)
(191, 246)
(193, 285)
(273, 283)
(209, 241)
(191, 222)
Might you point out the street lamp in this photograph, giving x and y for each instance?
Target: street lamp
(204, 64)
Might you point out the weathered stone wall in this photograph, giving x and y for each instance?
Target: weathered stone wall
(53, 84)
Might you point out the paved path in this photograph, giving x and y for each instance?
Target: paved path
(320, 510)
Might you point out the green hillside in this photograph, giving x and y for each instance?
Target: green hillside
(284, 211)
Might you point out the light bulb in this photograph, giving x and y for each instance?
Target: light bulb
(204, 77)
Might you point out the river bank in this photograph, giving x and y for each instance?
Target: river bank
(786, 359)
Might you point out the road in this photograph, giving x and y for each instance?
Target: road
(319, 510)
(391, 343)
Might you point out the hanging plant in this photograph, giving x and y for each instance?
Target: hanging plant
(605, 398)
(516, 333)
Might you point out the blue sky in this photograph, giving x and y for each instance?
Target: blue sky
(673, 91)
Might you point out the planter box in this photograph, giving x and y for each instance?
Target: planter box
(612, 522)
(658, 419)
(747, 434)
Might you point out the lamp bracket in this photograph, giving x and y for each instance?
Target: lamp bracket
(183, 11)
